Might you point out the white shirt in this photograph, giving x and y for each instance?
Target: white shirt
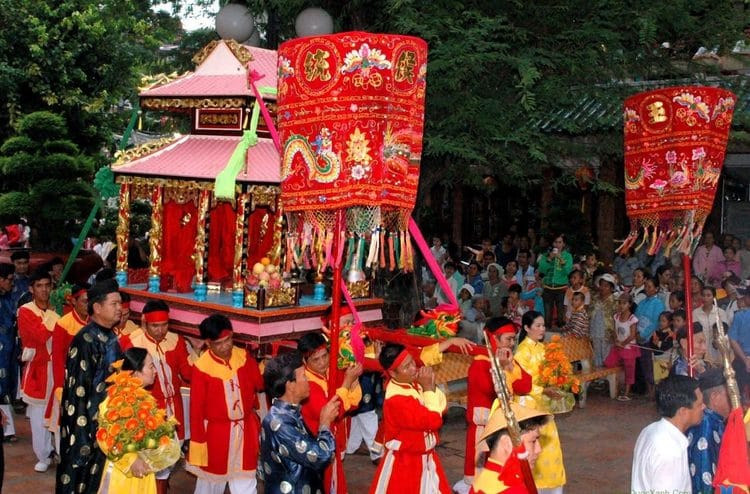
(708, 320)
(660, 460)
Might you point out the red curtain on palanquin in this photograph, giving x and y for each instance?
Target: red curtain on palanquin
(178, 244)
(260, 231)
(221, 242)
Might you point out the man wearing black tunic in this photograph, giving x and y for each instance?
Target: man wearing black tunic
(90, 356)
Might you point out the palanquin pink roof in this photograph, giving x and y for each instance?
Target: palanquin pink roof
(203, 157)
(221, 74)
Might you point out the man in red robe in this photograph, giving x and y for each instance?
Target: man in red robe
(481, 390)
(36, 321)
(65, 329)
(224, 425)
(315, 354)
(172, 362)
(412, 416)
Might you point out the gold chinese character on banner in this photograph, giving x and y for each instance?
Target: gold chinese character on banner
(405, 67)
(656, 112)
(316, 66)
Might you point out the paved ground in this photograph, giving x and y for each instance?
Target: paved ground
(597, 444)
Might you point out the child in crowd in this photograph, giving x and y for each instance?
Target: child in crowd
(625, 352)
(578, 322)
(662, 341)
(516, 308)
(663, 338)
(575, 284)
(697, 362)
(590, 266)
(532, 297)
(679, 320)
(677, 300)
(472, 313)
(465, 294)
(731, 303)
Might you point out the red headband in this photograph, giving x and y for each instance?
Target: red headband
(399, 360)
(507, 328)
(322, 346)
(78, 293)
(224, 333)
(156, 316)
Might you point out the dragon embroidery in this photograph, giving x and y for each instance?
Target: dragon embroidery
(323, 164)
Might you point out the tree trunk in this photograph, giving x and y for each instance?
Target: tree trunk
(458, 215)
(605, 216)
(546, 200)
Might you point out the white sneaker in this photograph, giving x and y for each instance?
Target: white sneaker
(461, 487)
(41, 466)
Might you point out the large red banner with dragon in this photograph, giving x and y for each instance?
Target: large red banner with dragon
(350, 118)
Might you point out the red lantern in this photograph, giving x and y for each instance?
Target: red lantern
(584, 176)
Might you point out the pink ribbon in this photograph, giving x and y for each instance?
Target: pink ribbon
(358, 345)
(432, 263)
(252, 76)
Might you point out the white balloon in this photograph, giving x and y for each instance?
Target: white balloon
(253, 40)
(313, 21)
(234, 22)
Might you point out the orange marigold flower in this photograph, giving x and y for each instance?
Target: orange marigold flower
(139, 435)
(151, 424)
(126, 412)
(143, 414)
(101, 435)
(114, 429)
(164, 440)
(131, 424)
(112, 415)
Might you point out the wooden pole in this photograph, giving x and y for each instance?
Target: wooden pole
(335, 303)
(688, 310)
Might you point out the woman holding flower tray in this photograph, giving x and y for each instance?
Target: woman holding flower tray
(531, 355)
(133, 432)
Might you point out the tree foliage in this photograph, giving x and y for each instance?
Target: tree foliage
(497, 69)
(75, 58)
(44, 178)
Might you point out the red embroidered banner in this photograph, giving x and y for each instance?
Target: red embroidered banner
(675, 142)
(350, 117)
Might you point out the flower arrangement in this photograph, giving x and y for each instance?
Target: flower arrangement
(131, 422)
(556, 371)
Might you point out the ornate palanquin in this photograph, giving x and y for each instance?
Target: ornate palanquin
(214, 193)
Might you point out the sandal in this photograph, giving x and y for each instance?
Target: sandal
(623, 398)
(10, 439)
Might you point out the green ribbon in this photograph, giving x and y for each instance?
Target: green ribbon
(225, 181)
